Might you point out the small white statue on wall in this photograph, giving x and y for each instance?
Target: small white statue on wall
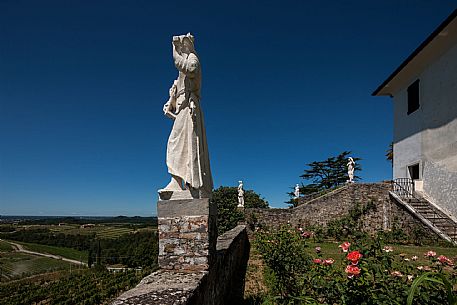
(351, 167)
(297, 191)
(240, 194)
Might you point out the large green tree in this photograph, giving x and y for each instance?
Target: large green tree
(228, 215)
(390, 153)
(326, 174)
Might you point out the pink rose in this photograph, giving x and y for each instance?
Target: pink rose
(388, 249)
(444, 260)
(430, 254)
(352, 271)
(328, 261)
(306, 234)
(345, 246)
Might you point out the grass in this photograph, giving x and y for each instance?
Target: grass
(330, 249)
(5, 247)
(61, 251)
(16, 265)
(254, 284)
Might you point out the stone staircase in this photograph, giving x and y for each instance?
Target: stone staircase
(435, 216)
(429, 214)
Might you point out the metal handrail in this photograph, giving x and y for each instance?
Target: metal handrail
(404, 187)
(408, 193)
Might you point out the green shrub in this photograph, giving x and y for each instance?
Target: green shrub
(283, 251)
(226, 199)
(367, 273)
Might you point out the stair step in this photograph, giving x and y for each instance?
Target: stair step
(421, 205)
(447, 226)
(441, 222)
(450, 233)
(418, 201)
(431, 212)
(427, 214)
(427, 209)
(439, 218)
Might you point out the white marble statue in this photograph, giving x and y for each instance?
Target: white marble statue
(351, 167)
(240, 194)
(187, 149)
(297, 191)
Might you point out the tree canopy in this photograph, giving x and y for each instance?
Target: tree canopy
(226, 198)
(326, 174)
(390, 153)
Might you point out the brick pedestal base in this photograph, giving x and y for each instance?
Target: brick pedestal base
(187, 234)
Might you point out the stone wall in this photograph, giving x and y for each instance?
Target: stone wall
(337, 204)
(222, 284)
(267, 217)
(187, 234)
(386, 214)
(226, 283)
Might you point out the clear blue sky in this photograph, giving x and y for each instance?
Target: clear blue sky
(285, 83)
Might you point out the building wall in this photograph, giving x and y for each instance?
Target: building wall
(429, 135)
(441, 187)
(407, 152)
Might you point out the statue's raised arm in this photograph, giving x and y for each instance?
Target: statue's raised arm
(186, 62)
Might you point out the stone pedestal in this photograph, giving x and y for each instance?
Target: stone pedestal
(187, 234)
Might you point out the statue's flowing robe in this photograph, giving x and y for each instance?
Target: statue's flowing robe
(187, 149)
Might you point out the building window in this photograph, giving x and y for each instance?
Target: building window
(414, 171)
(413, 97)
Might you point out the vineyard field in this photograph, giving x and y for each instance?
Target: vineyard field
(5, 247)
(16, 265)
(109, 231)
(84, 287)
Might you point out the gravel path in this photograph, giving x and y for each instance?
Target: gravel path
(20, 248)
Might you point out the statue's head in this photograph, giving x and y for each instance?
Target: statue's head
(187, 43)
(350, 159)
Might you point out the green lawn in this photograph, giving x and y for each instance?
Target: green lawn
(61, 251)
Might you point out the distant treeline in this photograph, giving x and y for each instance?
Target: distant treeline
(138, 249)
(7, 228)
(136, 221)
(45, 237)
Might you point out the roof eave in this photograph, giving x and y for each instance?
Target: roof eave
(441, 27)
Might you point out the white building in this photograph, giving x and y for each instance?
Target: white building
(424, 92)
